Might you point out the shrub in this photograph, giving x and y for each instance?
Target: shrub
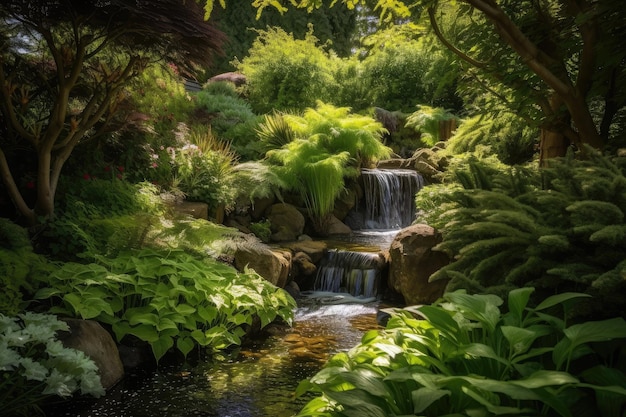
(286, 73)
(463, 356)
(425, 121)
(508, 136)
(558, 229)
(167, 298)
(34, 365)
(19, 266)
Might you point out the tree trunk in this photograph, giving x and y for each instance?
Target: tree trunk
(552, 145)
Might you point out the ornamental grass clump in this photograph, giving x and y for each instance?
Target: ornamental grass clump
(34, 365)
(465, 356)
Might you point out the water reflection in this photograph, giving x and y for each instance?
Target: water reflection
(259, 383)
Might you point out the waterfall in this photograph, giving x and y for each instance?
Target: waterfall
(356, 273)
(390, 197)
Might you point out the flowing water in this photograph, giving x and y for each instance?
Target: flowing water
(259, 382)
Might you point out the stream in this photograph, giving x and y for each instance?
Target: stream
(259, 382)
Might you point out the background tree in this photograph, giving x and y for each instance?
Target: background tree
(560, 57)
(64, 65)
(238, 21)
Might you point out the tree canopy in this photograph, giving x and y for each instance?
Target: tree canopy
(64, 64)
(560, 58)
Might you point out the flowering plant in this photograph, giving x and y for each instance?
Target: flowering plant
(35, 365)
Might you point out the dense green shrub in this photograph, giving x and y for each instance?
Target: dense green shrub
(167, 298)
(425, 121)
(506, 135)
(463, 356)
(19, 266)
(286, 73)
(558, 229)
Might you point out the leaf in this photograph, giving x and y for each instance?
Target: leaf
(596, 331)
(424, 397)
(185, 344)
(367, 381)
(520, 339)
(161, 346)
(482, 351)
(518, 300)
(543, 378)
(558, 299)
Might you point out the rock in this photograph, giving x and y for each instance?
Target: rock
(90, 337)
(347, 201)
(302, 265)
(195, 209)
(412, 261)
(286, 222)
(337, 227)
(273, 265)
(232, 77)
(314, 248)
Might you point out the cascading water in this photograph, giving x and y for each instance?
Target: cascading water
(390, 197)
(388, 205)
(356, 273)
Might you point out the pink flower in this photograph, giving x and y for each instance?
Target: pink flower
(120, 168)
(119, 176)
(154, 165)
(86, 177)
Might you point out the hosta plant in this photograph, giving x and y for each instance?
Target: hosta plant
(463, 356)
(34, 365)
(168, 298)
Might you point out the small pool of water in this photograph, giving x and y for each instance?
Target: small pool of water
(260, 382)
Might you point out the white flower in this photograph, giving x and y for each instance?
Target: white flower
(34, 371)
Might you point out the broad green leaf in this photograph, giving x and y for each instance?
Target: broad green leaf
(425, 397)
(483, 351)
(165, 323)
(441, 319)
(161, 346)
(558, 299)
(520, 340)
(493, 408)
(44, 293)
(367, 381)
(518, 300)
(145, 332)
(185, 344)
(543, 378)
(596, 331)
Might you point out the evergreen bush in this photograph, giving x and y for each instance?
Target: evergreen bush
(558, 229)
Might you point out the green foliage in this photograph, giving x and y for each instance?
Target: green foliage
(204, 171)
(331, 144)
(506, 135)
(18, 267)
(167, 298)
(34, 365)
(560, 229)
(87, 211)
(462, 356)
(262, 230)
(426, 122)
(334, 25)
(286, 73)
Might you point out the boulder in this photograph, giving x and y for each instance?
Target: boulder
(412, 261)
(231, 77)
(315, 249)
(273, 265)
(91, 338)
(195, 209)
(337, 227)
(286, 222)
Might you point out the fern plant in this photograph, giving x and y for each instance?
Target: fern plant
(331, 145)
(561, 229)
(425, 120)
